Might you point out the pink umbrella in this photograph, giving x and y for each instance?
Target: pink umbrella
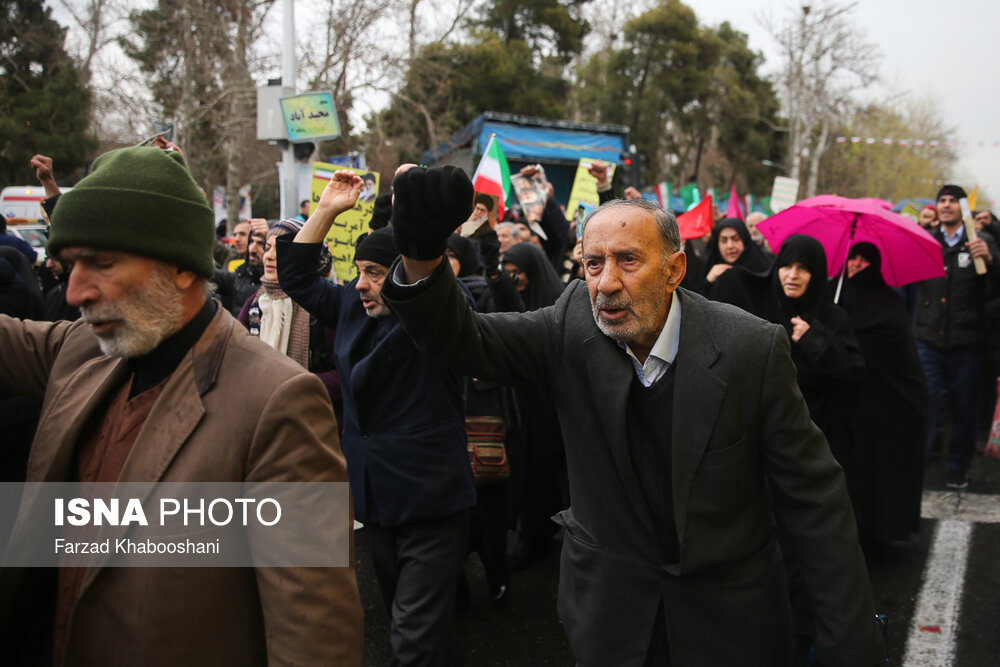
(908, 252)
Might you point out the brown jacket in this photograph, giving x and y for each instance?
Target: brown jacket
(234, 410)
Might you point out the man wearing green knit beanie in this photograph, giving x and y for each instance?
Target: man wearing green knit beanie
(156, 382)
(140, 200)
(139, 234)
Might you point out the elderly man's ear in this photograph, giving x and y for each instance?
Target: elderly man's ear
(677, 268)
(183, 280)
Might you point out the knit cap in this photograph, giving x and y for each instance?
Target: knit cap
(955, 191)
(285, 226)
(379, 246)
(140, 200)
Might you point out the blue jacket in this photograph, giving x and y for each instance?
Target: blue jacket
(404, 415)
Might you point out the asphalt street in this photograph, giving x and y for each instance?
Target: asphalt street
(528, 632)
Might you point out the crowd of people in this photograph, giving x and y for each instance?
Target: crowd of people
(714, 435)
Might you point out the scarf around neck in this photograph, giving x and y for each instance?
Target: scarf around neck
(280, 322)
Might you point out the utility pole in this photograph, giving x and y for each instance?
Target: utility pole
(289, 204)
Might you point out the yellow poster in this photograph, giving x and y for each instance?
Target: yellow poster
(349, 225)
(584, 192)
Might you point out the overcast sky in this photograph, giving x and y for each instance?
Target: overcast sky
(944, 48)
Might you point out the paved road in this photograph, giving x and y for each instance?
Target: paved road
(964, 634)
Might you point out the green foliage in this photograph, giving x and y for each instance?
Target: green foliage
(685, 91)
(548, 27)
(449, 85)
(746, 114)
(43, 105)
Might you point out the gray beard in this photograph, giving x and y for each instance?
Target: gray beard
(622, 334)
(148, 315)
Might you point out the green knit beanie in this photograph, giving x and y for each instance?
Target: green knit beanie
(141, 201)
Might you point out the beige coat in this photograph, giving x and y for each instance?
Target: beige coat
(234, 410)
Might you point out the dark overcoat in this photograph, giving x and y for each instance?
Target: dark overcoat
(744, 455)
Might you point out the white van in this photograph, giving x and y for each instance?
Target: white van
(22, 202)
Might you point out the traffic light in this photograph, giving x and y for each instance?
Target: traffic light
(630, 168)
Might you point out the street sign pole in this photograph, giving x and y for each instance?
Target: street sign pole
(289, 206)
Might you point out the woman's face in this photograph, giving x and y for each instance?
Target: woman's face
(856, 265)
(730, 245)
(456, 266)
(270, 260)
(794, 279)
(516, 272)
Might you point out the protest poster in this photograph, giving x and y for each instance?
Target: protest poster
(784, 193)
(484, 215)
(584, 190)
(532, 190)
(349, 225)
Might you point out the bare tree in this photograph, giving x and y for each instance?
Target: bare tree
(827, 61)
(121, 108)
(362, 52)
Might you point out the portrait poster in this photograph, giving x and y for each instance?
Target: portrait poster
(349, 225)
(584, 190)
(483, 216)
(532, 192)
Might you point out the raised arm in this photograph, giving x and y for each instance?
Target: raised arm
(428, 205)
(339, 195)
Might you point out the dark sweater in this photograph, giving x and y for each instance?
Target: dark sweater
(650, 419)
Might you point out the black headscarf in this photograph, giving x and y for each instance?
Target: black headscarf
(465, 251)
(762, 294)
(544, 286)
(809, 252)
(753, 258)
(866, 297)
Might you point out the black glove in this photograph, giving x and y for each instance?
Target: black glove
(489, 248)
(429, 204)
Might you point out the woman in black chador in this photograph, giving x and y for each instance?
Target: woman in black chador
(538, 462)
(826, 353)
(732, 246)
(885, 471)
(828, 359)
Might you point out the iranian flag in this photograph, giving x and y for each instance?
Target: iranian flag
(492, 176)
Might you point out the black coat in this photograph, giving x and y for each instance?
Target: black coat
(885, 471)
(745, 456)
(951, 311)
(13, 293)
(233, 289)
(404, 418)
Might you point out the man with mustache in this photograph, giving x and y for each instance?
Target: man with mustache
(157, 383)
(404, 429)
(236, 285)
(686, 442)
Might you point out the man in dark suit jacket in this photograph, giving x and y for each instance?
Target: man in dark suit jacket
(404, 432)
(686, 441)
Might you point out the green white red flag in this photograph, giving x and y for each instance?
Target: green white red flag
(492, 176)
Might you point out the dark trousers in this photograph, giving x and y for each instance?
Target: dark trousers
(488, 535)
(417, 565)
(960, 370)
